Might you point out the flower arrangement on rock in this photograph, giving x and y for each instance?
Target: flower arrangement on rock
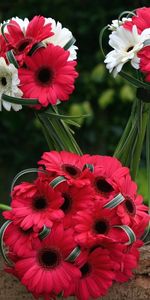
(78, 226)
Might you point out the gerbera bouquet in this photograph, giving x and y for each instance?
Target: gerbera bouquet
(78, 225)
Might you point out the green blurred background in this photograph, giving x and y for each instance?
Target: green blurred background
(107, 100)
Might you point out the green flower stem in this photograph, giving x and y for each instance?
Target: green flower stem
(4, 207)
(130, 146)
(57, 132)
(140, 140)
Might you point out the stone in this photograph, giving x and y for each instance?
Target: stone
(136, 289)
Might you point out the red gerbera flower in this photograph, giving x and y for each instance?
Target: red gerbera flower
(21, 41)
(75, 199)
(45, 270)
(38, 206)
(141, 20)
(144, 55)
(97, 276)
(17, 239)
(107, 171)
(132, 209)
(96, 225)
(3, 46)
(128, 262)
(67, 164)
(48, 75)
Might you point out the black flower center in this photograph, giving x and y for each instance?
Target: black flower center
(3, 81)
(86, 269)
(130, 48)
(102, 186)
(23, 44)
(49, 258)
(26, 232)
(66, 206)
(45, 76)
(71, 170)
(101, 226)
(130, 206)
(40, 203)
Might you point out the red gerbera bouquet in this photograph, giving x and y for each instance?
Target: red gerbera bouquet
(78, 226)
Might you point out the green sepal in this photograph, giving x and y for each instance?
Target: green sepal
(22, 101)
(70, 43)
(115, 201)
(26, 171)
(56, 181)
(74, 254)
(11, 58)
(44, 233)
(35, 48)
(89, 166)
(2, 231)
(129, 232)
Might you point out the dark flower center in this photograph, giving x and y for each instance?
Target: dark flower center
(130, 48)
(45, 76)
(3, 81)
(40, 203)
(66, 206)
(130, 206)
(26, 232)
(86, 269)
(103, 186)
(101, 226)
(49, 258)
(23, 44)
(71, 170)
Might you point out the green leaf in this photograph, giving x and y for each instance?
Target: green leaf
(115, 201)
(89, 166)
(64, 117)
(35, 48)
(74, 254)
(70, 43)
(136, 82)
(44, 233)
(11, 58)
(22, 101)
(57, 181)
(2, 249)
(26, 171)
(101, 39)
(146, 43)
(126, 12)
(4, 207)
(2, 31)
(129, 232)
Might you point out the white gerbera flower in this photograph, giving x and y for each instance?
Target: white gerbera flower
(9, 82)
(22, 23)
(116, 23)
(126, 45)
(61, 37)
